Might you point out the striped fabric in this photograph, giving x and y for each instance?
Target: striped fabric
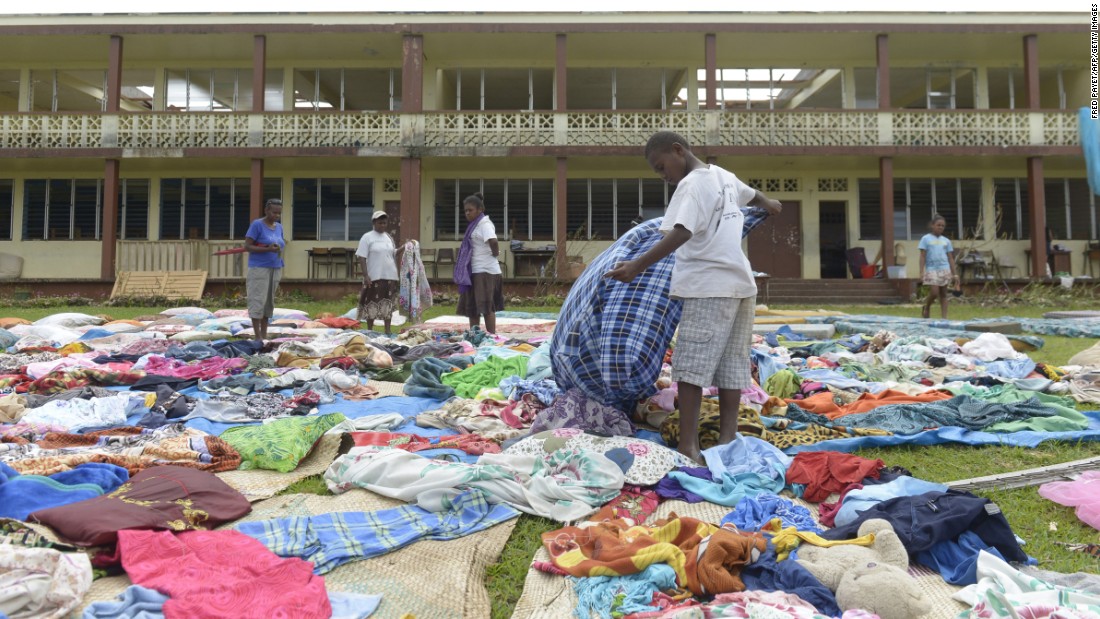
(330, 540)
(611, 337)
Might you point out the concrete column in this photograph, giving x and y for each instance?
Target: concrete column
(882, 60)
(1037, 217)
(412, 77)
(409, 226)
(1031, 70)
(110, 168)
(712, 69)
(110, 219)
(886, 208)
(561, 231)
(259, 85)
(561, 69)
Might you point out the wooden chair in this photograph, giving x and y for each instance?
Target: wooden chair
(427, 256)
(1001, 266)
(320, 257)
(445, 255)
(340, 257)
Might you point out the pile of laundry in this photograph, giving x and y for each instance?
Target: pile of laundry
(113, 433)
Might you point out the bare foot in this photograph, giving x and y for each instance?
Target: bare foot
(924, 311)
(692, 452)
(725, 440)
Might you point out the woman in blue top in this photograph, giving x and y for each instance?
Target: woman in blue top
(264, 243)
(937, 265)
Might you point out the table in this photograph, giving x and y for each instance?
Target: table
(531, 262)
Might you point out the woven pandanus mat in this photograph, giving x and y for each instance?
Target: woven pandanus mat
(257, 484)
(427, 579)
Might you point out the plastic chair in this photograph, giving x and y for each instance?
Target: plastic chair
(857, 263)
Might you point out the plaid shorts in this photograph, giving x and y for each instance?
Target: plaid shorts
(713, 345)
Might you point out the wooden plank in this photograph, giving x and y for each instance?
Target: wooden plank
(1029, 477)
(184, 285)
(170, 284)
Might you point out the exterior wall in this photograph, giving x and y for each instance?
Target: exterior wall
(805, 144)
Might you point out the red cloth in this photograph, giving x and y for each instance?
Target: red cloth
(826, 472)
(339, 322)
(826, 512)
(215, 574)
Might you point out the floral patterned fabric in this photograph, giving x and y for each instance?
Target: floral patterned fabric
(644, 463)
(281, 444)
(36, 450)
(573, 409)
(42, 583)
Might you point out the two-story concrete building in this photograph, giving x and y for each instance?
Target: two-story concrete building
(150, 141)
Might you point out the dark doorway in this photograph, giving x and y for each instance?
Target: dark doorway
(833, 228)
(776, 246)
(393, 219)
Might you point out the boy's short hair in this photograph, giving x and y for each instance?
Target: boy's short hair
(662, 141)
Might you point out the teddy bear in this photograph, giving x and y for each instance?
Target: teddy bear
(873, 578)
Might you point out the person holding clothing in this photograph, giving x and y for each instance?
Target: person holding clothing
(264, 243)
(477, 272)
(377, 255)
(703, 226)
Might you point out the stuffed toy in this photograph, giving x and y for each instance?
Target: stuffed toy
(874, 578)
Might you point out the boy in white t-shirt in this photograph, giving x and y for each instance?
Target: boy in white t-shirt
(712, 275)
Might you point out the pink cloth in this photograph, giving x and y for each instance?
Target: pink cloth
(215, 574)
(205, 369)
(1082, 493)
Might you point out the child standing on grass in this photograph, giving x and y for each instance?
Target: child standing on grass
(712, 275)
(937, 265)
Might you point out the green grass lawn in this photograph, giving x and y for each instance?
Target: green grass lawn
(1038, 521)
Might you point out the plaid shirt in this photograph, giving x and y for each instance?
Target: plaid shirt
(330, 540)
(611, 337)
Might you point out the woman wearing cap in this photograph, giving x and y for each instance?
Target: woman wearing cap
(264, 243)
(378, 261)
(477, 272)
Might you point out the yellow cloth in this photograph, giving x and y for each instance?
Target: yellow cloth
(789, 538)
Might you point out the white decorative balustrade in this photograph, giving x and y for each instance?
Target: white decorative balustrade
(147, 134)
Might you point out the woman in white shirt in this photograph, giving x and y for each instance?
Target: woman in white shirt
(377, 257)
(477, 272)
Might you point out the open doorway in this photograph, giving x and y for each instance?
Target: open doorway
(833, 230)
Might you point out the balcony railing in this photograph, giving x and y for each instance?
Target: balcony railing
(150, 134)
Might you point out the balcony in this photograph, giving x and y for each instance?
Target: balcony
(166, 134)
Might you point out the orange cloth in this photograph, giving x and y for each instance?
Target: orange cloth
(823, 403)
(615, 548)
(727, 553)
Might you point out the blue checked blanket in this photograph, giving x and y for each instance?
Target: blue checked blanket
(330, 540)
(611, 337)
